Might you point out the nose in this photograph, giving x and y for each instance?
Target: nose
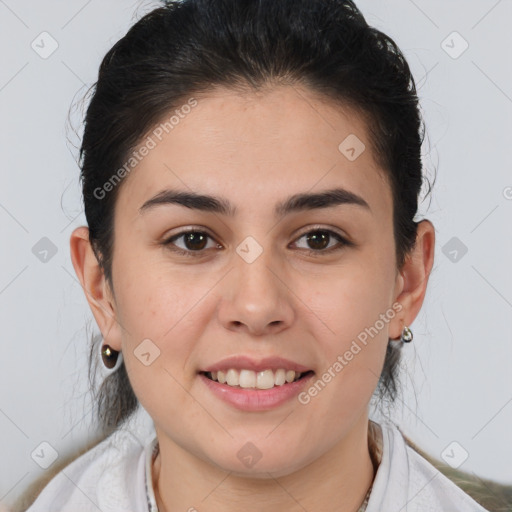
(256, 298)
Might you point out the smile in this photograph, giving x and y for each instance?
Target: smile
(249, 379)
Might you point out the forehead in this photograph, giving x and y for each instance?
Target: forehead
(257, 147)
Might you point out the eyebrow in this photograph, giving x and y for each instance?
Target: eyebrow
(295, 203)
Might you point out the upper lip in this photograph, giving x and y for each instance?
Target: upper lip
(257, 365)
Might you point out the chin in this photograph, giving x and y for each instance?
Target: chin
(251, 462)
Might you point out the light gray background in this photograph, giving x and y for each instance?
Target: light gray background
(457, 378)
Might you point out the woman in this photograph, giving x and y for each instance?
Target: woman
(251, 173)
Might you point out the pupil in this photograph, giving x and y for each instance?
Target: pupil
(322, 240)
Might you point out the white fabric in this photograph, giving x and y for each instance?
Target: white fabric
(111, 477)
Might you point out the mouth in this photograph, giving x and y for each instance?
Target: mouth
(249, 379)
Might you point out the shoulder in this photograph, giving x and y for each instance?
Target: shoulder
(410, 482)
(488, 493)
(429, 485)
(109, 477)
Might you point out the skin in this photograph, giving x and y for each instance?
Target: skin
(256, 149)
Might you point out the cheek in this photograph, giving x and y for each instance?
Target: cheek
(169, 308)
(157, 312)
(352, 298)
(352, 348)
(153, 297)
(352, 312)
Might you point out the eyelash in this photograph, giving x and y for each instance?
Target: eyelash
(343, 241)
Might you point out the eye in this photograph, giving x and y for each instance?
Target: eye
(319, 239)
(195, 241)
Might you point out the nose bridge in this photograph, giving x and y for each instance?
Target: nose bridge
(254, 260)
(255, 296)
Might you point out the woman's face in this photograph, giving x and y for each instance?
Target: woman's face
(252, 283)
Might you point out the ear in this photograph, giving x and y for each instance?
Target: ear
(95, 286)
(411, 283)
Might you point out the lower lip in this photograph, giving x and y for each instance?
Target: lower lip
(256, 399)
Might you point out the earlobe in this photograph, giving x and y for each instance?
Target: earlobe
(95, 286)
(413, 278)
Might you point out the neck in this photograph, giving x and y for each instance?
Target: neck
(337, 481)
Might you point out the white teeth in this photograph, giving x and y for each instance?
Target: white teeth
(265, 379)
(232, 378)
(247, 379)
(280, 377)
